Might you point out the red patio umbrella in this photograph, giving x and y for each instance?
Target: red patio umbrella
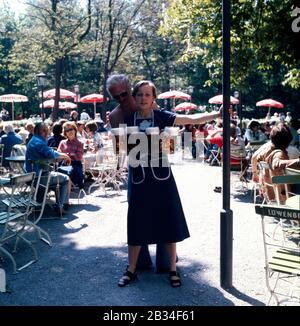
(49, 104)
(63, 93)
(67, 105)
(185, 106)
(93, 98)
(174, 94)
(270, 103)
(12, 98)
(218, 99)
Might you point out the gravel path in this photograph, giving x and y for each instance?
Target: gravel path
(89, 253)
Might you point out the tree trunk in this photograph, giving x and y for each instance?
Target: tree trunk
(58, 72)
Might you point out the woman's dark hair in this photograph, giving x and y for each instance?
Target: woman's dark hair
(253, 124)
(281, 136)
(57, 129)
(92, 126)
(144, 83)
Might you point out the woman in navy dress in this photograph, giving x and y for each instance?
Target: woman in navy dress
(155, 213)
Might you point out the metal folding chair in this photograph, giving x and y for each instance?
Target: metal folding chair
(216, 156)
(37, 207)
(14, 221)
(106, 173)
(265, 188)
(3, 170)
(282, 256)
(237, 163)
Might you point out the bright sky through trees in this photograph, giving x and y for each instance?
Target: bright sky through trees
(17, 6)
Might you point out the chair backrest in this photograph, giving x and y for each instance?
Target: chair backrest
(286, 179)
(282, 254)
(46, 164)
(22, 191)
(18, 150)
(18, 200)
(267, 187)
(279, 212)
(19, 179)
(1, 154)
(237, 155)
(2, 168)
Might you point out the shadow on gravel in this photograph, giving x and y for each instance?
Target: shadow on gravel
(245, 197)
(68, 275)
(242, 296)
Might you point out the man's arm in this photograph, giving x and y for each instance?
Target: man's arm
(49, 152)
(65, 157)
(116, 117)
(198, 118)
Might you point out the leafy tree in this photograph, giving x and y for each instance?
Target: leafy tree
(50, 33)
(260, 32)
(8, 30)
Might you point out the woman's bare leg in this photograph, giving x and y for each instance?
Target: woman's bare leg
(174, 277)
(130, 275)
(133, 255)
(171, 247)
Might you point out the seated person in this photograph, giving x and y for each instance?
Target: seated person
(82, 135)
(9, 140)
(37, 149)
(74, 149)
(253, 133)
(29, 127)
(2, 132)
(57, 137)
(276, 155)
(188, 138)
(74, 116)
(215, 139)
(237, 152)
(95, 140)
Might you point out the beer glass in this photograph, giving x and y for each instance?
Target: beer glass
(130, 131)
(153, 138)
(117, 133)
(172, 133)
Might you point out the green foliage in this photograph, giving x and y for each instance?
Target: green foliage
(175, 43)
(261, 41)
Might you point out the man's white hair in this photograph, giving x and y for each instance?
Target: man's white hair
(8, 128)
(117, 79)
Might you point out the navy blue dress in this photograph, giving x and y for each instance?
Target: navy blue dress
(155, 213)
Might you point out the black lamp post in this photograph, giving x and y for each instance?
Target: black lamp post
(41, 81)
(226, 215)
(76, 90)
(190, 90)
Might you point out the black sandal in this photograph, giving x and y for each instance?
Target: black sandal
(174, 279)
(127, 278)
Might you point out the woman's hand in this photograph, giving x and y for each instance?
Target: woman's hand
(67, 160)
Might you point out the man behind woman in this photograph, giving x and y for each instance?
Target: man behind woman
(155, 214)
